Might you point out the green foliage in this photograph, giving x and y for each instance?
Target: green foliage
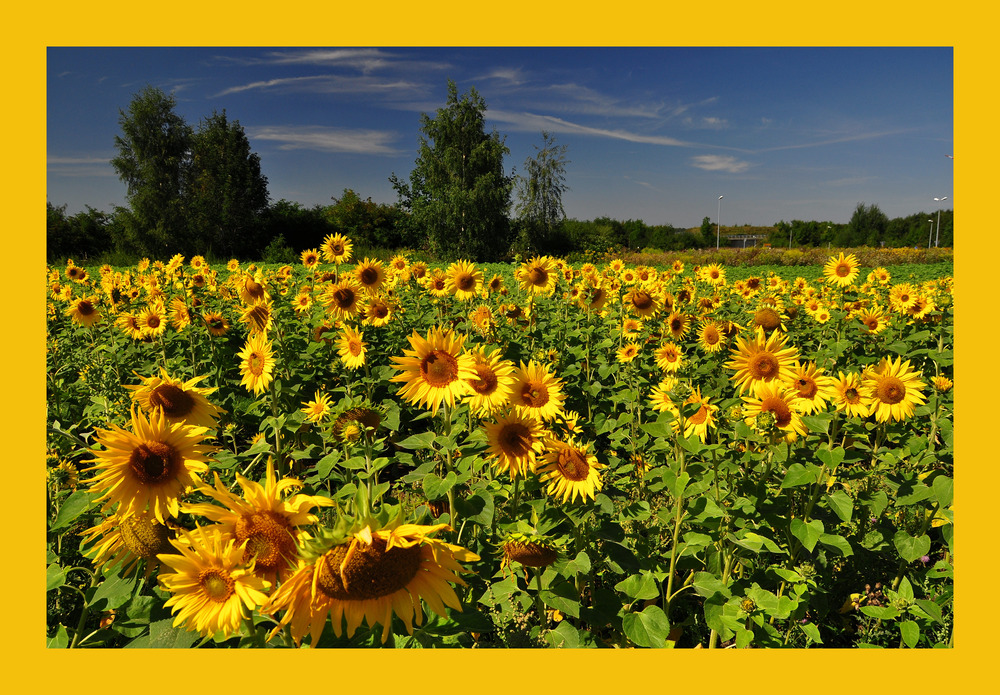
(539, 190)
(458, 194)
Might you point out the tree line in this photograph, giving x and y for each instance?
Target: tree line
(200, 190)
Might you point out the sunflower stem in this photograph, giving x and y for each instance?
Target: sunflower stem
(539, 606)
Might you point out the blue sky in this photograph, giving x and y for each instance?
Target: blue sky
(652, 133)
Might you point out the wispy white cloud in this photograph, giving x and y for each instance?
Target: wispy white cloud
(718, 162)
(323, 139)
(330, 84)
(855, 137)
(644, 184)
(366, 60)
(533, 122)
(79, 167)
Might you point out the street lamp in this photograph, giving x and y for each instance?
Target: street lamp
(718, 224)
(937, 237)
(930, 233)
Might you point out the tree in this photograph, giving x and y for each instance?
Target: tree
(867, 227)
(152, 151)
(540, 188)
(226, 192)
(458, 193)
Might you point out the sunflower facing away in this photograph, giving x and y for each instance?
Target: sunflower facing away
(894, 389)
(435, 370)
(149, 467)
(842, 271)
(369, 571)
(698, 422)
(126, 541)
(269, 524)
(180, 401)
(761, 360)
(569, 470)
(257, 364)
(212, 588)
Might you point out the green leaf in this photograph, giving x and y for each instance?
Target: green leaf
(162, 635)
(808, 534)
(816, 424)
(578, 565)
(839, 543)
(931, 609)
(707, 585)
(841, 504)
(60, 640)
(639, 586)
(812, 632)
(832, 459)
(911, 492)
(565, 636)
(564, 597)
(435, 487)
(75, 505)
(910, 633)
(906, 589)
(55, 577)
(648, 628)
(798, 475)
(911, 548)
(116, 590)
(943, 488)
(424, 440)
(880, 612)
(744, 638)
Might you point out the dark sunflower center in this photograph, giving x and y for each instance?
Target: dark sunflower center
(764, 366)
(439, 368)
(338, 249)
(572, 463)
(354, 347)
(466, 282)
(767, 319)
(153, 462)
(175, 402)
(515, 440)
(871, 323)
(268, 538)
(843, 270)
(485, 382)
(852, 396)
(642, 301)
(368, 276)
(344, 298)
(217, 585)
(216, 323)
(85, 308)
(373, 571)
(777, 406)
(255, 363)
(537, 276)
(711, 336)
(153, 321)
(144, 537)
(676, 324)
(254, 289)
(807, 387)
(890, 390)
(534, 395)
(380, 311)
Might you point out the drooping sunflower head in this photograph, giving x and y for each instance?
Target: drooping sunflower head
(528, 549)
(180, 401)
(127, 541)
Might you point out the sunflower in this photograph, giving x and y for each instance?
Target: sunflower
(669, 357)
(150, 466)
(495, 285)
(761, 360)
(493, 383)
(628, 352)
(369, 274)
(213, 589)
(310, 258)
(263, 519)
(842, 271)
(342, 300)
(437, 283)
(216, 323)
(529, 550)
(699, 422)
(593, 296)
(921, 307)
(942, 384)
(678, 324)
(569, 470)
(536, 392)
(257, 364)
(302, 302)
(714, 274)
(710, 338)
(464, 280)
(336, 249)
(630, 328)
(481, 319)
(539, 275)
(643, 301)
(769, 318)
(515, 442)
(813, 387)
(153, 320)
(368, 572)
(252, 288)
(129, 324)
(660, 395)
(848, 396)
(894, 389)
(351, 424)
(258, 317)
(378, 310)
(873, 319)
(318, 408)
(435, 370)
(351, 348)
(180, 401)
(84, 311)
(780, 402)
(126, 541)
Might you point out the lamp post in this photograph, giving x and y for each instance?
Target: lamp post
(718, 224)
(937, 237)
(931, 232)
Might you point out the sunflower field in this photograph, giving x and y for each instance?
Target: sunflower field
(358, 453)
